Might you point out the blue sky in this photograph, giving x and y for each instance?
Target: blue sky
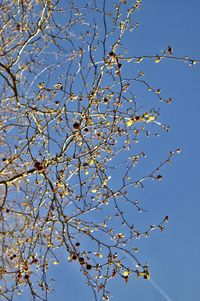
(174, 254)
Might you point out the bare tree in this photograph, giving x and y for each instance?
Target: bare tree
(69, 122)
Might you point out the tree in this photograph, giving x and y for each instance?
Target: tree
(69, 124)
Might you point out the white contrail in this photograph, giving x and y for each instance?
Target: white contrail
(155, 285)
(165, 296)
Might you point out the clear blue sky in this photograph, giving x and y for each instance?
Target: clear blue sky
(174, 254)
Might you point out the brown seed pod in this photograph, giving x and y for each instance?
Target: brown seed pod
(88, 267)
(76, 125)
(38, 166)
(73, 256)
(81, 260)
